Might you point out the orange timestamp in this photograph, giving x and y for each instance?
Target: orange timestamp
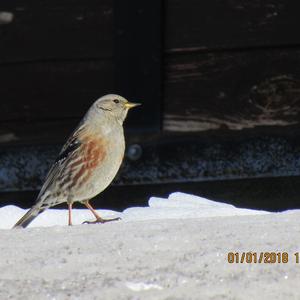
(262, 257)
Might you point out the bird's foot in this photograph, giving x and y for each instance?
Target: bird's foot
(100, 220)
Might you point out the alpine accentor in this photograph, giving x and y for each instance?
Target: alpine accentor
(89, 160)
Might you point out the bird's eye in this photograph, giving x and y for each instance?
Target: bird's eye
(117, 101)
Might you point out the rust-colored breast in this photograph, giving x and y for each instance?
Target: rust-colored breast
(89, 156)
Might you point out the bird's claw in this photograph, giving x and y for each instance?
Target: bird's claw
(100, 220)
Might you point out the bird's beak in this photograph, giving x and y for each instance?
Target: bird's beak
(131, 105)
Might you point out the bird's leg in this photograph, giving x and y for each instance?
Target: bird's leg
(98, 218)
(70, 213)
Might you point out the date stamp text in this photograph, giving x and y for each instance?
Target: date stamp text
(262, 257)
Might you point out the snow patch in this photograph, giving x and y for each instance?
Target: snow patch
(177, 206)
(141, 286)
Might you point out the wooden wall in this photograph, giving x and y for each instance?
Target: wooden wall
(219, 82)
(57, 58)
(225, 64)
(231, 64)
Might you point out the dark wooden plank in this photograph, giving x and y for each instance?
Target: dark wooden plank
(50, 132)
(25, 132)
(138, 46)
(51, 29)
(52, 90)
(232, 90)
(199, 25)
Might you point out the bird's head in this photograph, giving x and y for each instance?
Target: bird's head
(113, 106)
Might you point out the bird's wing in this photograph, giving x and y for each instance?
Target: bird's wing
(71, 146)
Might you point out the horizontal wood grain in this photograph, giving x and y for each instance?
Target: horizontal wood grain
(232, 90)
(193, 25)
(228, 65)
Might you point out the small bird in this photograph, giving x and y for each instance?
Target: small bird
(89, 160)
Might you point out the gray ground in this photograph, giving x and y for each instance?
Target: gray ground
(160, 259)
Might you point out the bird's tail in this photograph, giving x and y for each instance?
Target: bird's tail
(29, 216)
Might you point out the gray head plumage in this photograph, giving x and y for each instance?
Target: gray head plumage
(111, 106)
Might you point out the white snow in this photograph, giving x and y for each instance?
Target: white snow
(176, 206)
(141, 286)
(175, 248)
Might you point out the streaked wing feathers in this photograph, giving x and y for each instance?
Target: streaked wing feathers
(73, 143)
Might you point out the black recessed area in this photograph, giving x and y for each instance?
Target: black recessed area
(272, 194)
